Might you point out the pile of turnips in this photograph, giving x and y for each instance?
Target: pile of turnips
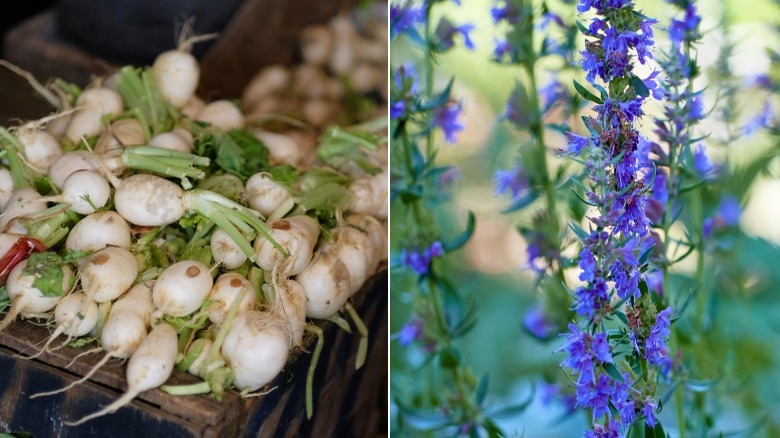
(175, 234)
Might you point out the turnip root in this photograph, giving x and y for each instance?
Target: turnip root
(6, 185)
(356, 250)
(297, 235)
(256, 348)
(181, 288)
(222, 114)
(269, 81)
(121, 133)
(93, 104)
(7, 240)
(75, 315)
(193, 106)
(291, 306)
(149, 367)
(369, 195)
(99, 230)
(326, 282)
(27, 300)
(23, 202)
(264, 194)
(137, 300)
(68, 163)
(378, 235)
(281, 148)
(316, 45)
(225, 250)
(108, 273)
(121, 335)
(172, 141)
(85, 191)
(177, 74)
(225, 290)
(40, 148)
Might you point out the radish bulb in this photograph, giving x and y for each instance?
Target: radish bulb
(226, 251)
(264, 194)
(181, 289)
(226, 289)
(137, 300)
(108, 273)
(28, 300)
(75, 315)
(40, 148)
(6, 185)
(222, 114)
(99, 230)
(93, 104)
(177, 74)
(256, 349)
(68, 163)
(85, 191)
(23, 202)
(297, 235)
(326, 282)
(149, 367)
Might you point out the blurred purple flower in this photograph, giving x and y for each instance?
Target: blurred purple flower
(648, 410)
(446, 31)
(446, 118)
(410, 332)
(420, 262)
(502, 49)
(576, 143)
(536, 322)
(701, 163)
(397, 109)
(403, 18)
(762, 120)
(512, 180)
(656, 350)
(727, 215)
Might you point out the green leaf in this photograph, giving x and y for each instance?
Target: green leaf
(639, 86)
(582, 234)
(593, 125)
(46, 267)
(240, 153)
(584, 92)
(582, 27)
(284, 174)
(521, 202)
(482, 388)
(613, 372)
(422, 419)
(449, 357)
(463, 237)
(4, 300)
(440, 99)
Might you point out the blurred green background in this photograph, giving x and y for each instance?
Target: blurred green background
(739, 353)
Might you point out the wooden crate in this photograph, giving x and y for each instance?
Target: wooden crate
(347, 402)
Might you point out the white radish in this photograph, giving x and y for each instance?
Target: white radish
(6, 185)
(193, 106)
(27, 300)
(269, 81)
(99, 230)
(75, 315)
(291, 306)
(177, 74)
(310, 82)
(326, 282)
(7, 240)
(68, 163)
(93, 104)
(225, 290)
(23, 202)
(149, 367)
(181, 288)
(108, 273)
(226, 251)
(85, 191)
(40, 148)
(316, 45)
(356, 250)
(365, 78)
(137, 300)
(264, 194)
(121, 335)
(297, 235)
(147, 200)
(369, 195)
(282, 149)
(378, 235)
(112, 142)
(256, 348)
(319, 112)
(222, 114)
(172, 141)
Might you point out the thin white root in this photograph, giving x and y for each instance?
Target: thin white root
(94, 350)
(360, 359)
(259, 394)
(110, 409)
(37, 86)
(58, 331)
(187, 38)
(77, 382)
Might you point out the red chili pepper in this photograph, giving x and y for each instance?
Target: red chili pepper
(19, 251)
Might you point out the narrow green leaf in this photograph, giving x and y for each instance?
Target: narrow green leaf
(463, 237)
(639, 86)
(613, 372)
(584, 92)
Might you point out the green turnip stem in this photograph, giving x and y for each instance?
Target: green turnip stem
(192, 389)
(150, 274)
(282, 211)
(324, 197)
(48, 225)
(223, 331)
(360, 360)
(256, 277)
(165, 161)
(315, 357)
(21, 175)
(230, 216)
(341, 322)
(139, 91)
(190, 357)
